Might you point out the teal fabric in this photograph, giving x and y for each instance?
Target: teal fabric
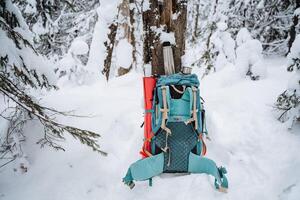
(156, 120)
(180, 109)
(153, 145)
(157, 117)
(149, 111)
(145, 168)
(199, 147)
(198, 164)
(200, 128)
(180, 143)
(179, 79)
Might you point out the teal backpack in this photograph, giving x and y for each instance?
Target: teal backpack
(178, 127)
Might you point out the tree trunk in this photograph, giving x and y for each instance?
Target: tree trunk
(179, 27)
(109, 49)
(132, 37)
(170, 16)
(127, 29)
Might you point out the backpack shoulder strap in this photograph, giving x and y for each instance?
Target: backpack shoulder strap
(194, 108)
(161, 110)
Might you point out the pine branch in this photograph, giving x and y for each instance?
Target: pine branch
(51, 127)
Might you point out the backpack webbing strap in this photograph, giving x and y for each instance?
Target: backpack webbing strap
(166, 102)
(165, 110)
(144, 169)
(199, 164)
(194, 109)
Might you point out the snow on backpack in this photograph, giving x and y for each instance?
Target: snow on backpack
(174, 127)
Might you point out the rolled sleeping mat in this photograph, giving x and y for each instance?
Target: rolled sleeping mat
(149, 85)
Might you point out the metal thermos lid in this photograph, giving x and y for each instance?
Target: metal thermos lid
(186, 70)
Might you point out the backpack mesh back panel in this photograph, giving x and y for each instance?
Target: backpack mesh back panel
(181, 142)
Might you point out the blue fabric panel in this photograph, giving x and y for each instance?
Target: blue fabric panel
(181, 107)
(148, 167)
(199, 164)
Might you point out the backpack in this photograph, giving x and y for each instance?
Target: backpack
(174, 127)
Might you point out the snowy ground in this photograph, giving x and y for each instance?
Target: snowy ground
(261, 156)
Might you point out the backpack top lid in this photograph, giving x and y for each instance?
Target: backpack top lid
(179, 79)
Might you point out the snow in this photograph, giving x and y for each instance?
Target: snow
(29, 58)
(261, 4)
(79, 47)
(259, 152)
(148, 70)
(297, 12)
(146, 5)
(168, 37)
(222, 26)
(31, 7)
(243, 36)
(38, 27)
(164, 36)
(294, 83)
(106, 14)
(249, 55)
(224, 45)
(124, 54)
(261, 156)
(295, 50)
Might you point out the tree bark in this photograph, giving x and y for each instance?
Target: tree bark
(179, 27)
(132, 31)
(109, 49)
(162, 15)
(127, 25)
(195, 32)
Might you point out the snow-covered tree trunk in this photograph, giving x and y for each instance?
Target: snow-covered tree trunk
(164, 21)
(126, 29)
(109, 44)
(196, 16)
(121, 43)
